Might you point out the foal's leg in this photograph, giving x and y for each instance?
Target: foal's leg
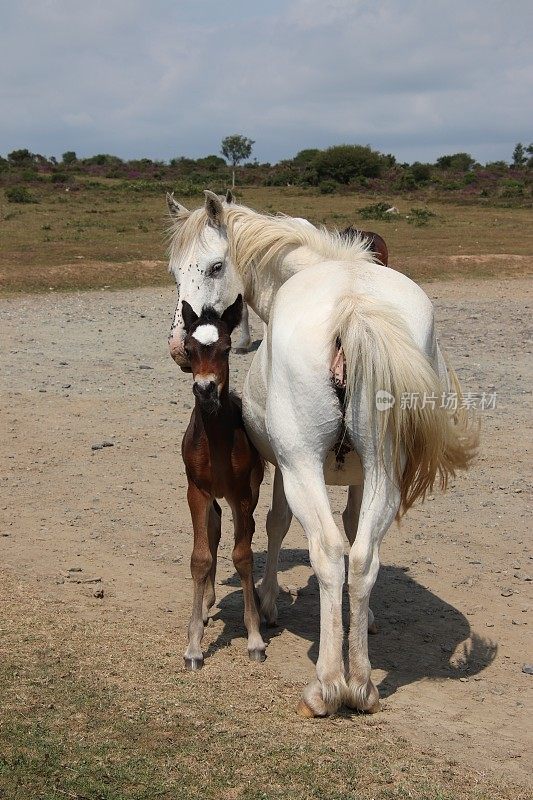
(213, 535)
(201, 562)
(243, 561)
(350, 520)
(277, 524)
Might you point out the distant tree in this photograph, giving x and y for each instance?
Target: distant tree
(20, 158)
(211, 163)
(529, 151)
(420, 172)
(305, 157)
(344, 162)
(69, 158)
(236, 148)
(519, 155)
(460, 162)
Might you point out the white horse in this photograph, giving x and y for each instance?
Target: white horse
(241, 337)
(385, 324)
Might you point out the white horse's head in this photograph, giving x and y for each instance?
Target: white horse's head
(200, 263)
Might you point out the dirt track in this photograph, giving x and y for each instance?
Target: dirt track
(454, 594)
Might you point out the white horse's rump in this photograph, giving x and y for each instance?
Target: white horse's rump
(293, 414)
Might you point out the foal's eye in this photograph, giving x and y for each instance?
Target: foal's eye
(215, 269)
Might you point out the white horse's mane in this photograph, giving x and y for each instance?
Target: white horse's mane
(256, 239)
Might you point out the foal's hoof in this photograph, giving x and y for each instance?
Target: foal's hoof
(257, 655)
(193, 664)
(303, 710)
(373, 628)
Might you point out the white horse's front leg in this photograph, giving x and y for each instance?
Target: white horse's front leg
(306, 493)
(277, 524)
(379, 506)
(241, 338)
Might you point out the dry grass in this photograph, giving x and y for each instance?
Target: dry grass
(113, 237)
(103, 710)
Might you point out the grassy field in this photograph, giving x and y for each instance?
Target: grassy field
(108, 236)
(85, 719)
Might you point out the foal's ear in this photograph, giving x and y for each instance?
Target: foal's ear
(214, 208)
(189, 316)
(174, 208)
(229, 197)
(232, 315)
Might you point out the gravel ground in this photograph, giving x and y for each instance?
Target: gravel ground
(106, 530)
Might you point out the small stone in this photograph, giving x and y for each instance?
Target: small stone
(66, 386)
(145, 366)
(528, 669)
(489, 624)
(506, 592)
(99, 593)
(96, 446)
(108, 444)
(75, 569)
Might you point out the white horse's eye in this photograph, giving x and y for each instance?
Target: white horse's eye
(215, 269)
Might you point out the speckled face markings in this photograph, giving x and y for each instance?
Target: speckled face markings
(206, 334)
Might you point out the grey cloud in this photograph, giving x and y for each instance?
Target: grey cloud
(169, 78)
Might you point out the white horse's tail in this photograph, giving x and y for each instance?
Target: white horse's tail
(404, 396)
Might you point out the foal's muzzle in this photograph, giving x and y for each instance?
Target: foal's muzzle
(207, 394)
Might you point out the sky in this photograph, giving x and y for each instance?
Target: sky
(165, 78)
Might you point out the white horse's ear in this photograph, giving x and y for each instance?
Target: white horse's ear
(174, 208)
(214, 208)
(229, 197)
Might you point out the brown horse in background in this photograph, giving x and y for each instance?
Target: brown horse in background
(377, 243)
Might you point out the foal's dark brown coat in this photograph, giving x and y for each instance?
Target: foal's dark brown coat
(220, 461)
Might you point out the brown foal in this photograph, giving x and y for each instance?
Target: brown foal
(220, 461)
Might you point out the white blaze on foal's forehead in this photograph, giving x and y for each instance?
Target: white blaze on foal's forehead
(206, 334)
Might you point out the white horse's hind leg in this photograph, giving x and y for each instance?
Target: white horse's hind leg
(350, 520)
(277, 524)
(307, 497)
(379, 506)
(241, 339)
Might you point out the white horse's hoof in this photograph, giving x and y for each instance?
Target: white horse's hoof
(257, 655)
(193, 664)
(303, 710)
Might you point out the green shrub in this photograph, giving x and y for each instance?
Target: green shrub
(327, 187)
(375, 211)
(345, 162)
(512, 188)
(405, 182)
(421, 172)
(59, 177)
(420, 217)
(19, 194)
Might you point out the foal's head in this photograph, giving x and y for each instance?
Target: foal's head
(207, 345)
